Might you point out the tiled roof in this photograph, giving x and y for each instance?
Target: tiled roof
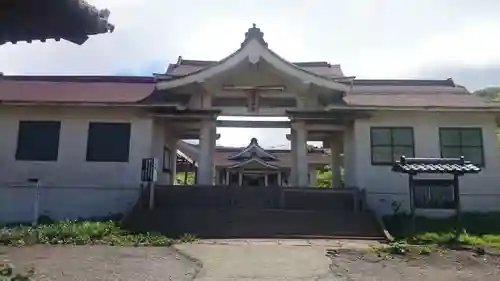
(435, 166)
(75, 89)
(403, 82)
(185, 67)
(417, 100)
(284, 156)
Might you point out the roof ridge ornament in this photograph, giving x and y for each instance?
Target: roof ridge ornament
(254, 33)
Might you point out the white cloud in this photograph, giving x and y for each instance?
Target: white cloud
(369, 38)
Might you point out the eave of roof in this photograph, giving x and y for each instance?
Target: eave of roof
(76, 20)
(254, 145)
(253, 160)
(434, 166)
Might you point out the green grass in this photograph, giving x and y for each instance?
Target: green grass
(70, 232)
(478, 229)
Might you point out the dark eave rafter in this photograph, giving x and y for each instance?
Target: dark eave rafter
(31, 20)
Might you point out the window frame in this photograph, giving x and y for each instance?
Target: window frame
(461, 146)
(392, 145)
(108, 160)
(18, 155)
(167, 160)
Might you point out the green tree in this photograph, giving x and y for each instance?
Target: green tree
(179, 178)
(324, 177)
(489, 93)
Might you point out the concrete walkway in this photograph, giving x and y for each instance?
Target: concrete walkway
(266, 259)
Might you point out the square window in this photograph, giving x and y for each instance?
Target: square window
(382, 154)
(398, 151)
(167, 159)
(450, 137)
(38, 140)
(466, 142)
(389, 144)
(108, 142)
(403, 136)
(471, 137)
(381, 136)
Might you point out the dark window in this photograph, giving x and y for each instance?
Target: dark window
(388, 144)
(38, 140)
(108, 142)
(167, 160)
(272, 180)
(434, 197)
(466, 142)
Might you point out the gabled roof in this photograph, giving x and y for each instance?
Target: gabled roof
(253, 49)
(318, 157)
(184, 67)
(253, 163)
(253, 150)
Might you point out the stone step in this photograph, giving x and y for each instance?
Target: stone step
(248, 223)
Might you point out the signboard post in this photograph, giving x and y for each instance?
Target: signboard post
(36, 203)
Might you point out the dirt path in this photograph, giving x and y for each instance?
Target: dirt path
(451, 265)
(226, 260)
(351, 261)
(58, 263)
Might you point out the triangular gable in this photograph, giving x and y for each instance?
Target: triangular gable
(253, 49)
(254, 163)
(253, 150)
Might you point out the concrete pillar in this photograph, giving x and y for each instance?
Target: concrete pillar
(335, 147)
(173, 159)
(301, 161)
(207, 147)
(312, 176)
(292, 178)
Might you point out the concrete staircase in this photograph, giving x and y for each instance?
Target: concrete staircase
(256, 223)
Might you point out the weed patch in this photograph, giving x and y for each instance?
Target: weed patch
(478, 229)
(70, 232)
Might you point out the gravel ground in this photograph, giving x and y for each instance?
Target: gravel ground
(248, 261)
(450, 265)
(79, 263)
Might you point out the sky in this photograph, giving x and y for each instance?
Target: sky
(369, 38)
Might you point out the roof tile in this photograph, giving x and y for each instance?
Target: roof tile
(434, 166)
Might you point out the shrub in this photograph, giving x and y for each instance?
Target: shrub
(79, 233)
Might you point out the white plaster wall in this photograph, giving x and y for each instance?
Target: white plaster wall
(73, 187)
(349, 158)
(480, 192)
(163, 136)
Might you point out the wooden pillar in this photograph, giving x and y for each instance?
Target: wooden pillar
(411, 184)
(458, 207)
